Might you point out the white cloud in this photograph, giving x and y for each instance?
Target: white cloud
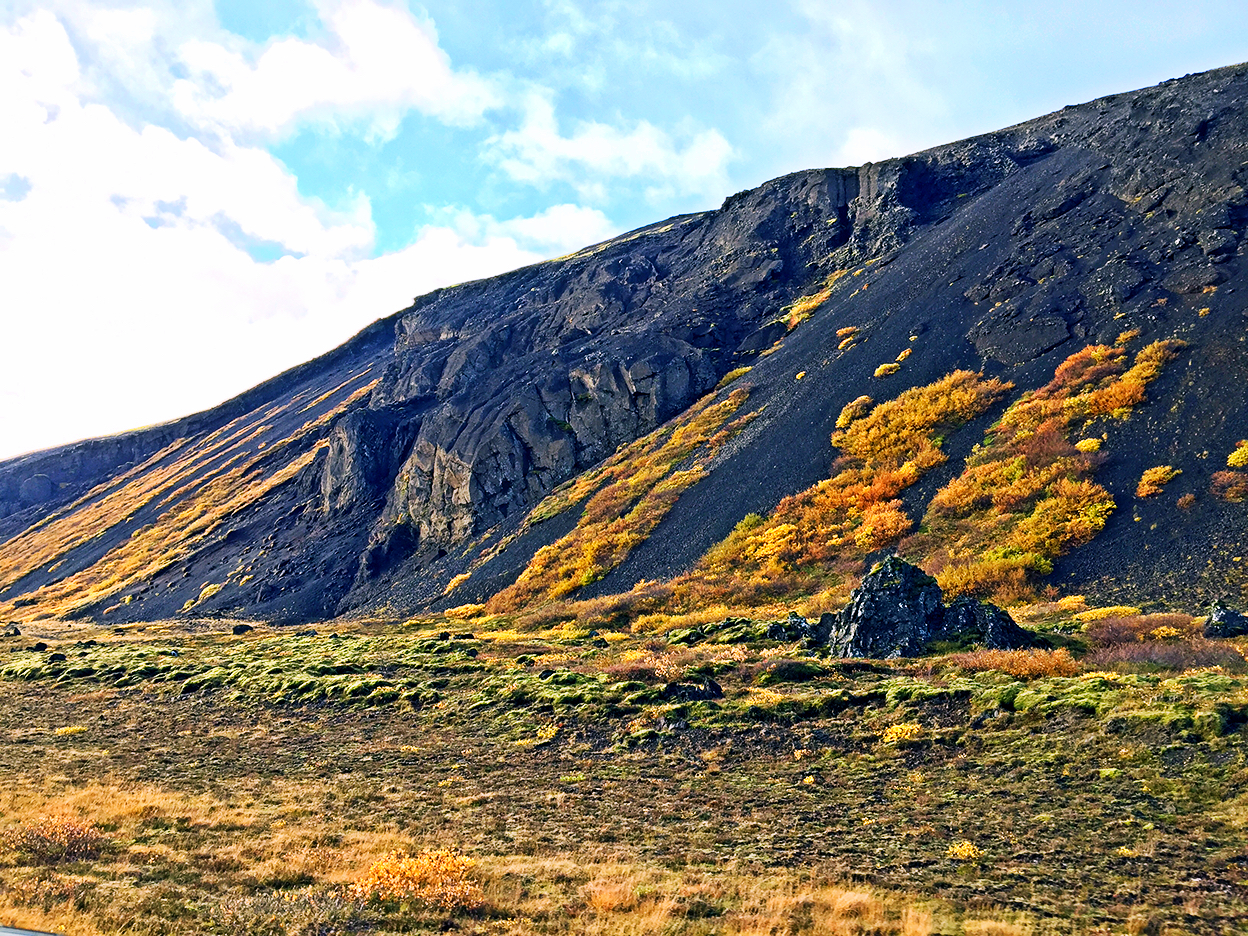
(129, 292)
(867, 144)
(375, 64)
(596, 153)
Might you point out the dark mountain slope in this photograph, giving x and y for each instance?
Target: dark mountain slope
(1005, 253)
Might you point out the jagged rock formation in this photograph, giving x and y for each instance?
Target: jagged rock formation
(898, 611)
(376, 475)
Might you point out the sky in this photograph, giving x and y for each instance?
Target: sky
(197, 195)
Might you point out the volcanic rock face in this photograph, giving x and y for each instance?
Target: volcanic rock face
(377, 475)
(897, 611)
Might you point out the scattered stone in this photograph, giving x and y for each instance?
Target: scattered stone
(56, 658)
(306, 633)
(242, 629)
(12, 630)
(1225, 622)
(39, 647)
(895, 612)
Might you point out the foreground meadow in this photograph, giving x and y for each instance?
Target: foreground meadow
(451, 775)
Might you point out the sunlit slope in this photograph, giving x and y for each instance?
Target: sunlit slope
(684, 409)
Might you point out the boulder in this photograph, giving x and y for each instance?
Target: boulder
(1225, 622)
(984, 624)
(895, 612)
(898, 611)
(12, 630)
(241, 629)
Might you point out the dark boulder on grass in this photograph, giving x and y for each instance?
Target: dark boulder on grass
(983, 624)
(895, 612)
(898, 611)
(12, 630)
(1225, 622)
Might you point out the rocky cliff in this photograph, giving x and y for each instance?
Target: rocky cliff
(410, 459)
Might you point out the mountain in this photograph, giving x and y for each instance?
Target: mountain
(1030, 346)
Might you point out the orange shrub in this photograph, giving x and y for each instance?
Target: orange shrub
(1021, 664)
(1230, 485)
(434, 879)
(838, 521)
(1025, 496)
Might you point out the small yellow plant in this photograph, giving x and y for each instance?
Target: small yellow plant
(1127, 336)
(456, 582)
(1126, 852)
(855, 409)
(904, 354)
(732, 375)
(1154, 480)
(964, 850)
(1100, 614)
(849, 331)
(1088, 446)
(435, 879)
(70, 730)
(884, 370)
(1239, 457)
(906, 731)
(800, 374)
(1165, 633)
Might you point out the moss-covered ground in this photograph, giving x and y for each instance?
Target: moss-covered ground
(243, 780)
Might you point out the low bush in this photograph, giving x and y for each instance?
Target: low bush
(1151, 656)
(436, 880)
(1135, 628)
(1154, 480)
(1230, 485)
(52, 839)
(1021, 664)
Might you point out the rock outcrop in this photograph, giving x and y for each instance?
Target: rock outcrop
(898, 611)
(1225, 622)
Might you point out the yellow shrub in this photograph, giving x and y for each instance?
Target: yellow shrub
(1025, 496)
(964, 850)
(855, 409)
(884, 370)
(1100, 614)
(435, 879)
(1154, 480)
(1239, 457)
(906, 731)
(1088, 446)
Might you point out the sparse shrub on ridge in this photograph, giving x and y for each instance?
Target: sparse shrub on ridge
(1154, 480)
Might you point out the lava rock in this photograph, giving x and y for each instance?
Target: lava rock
(984, 624)
(692, 692)
(895, 612)
(795, 627)
(1225, 622)
(12, 630)
(242, 629)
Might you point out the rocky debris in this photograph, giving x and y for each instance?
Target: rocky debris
(898, 611)
(12, 630)
(1225, 622)
(895, 612)
(239, 629)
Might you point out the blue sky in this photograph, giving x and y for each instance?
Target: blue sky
(197, 195)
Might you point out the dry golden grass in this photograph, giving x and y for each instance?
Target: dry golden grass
(802, 309)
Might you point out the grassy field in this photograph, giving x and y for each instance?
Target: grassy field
(182, 779)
